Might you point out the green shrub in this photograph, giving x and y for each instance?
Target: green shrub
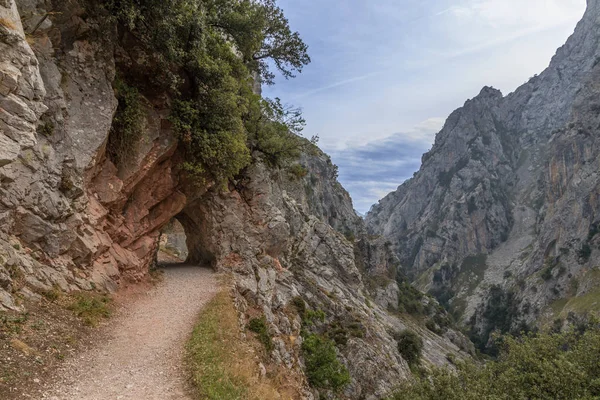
(343, 329)
(546, 366)
(547, 273)
(46, 129)
(212, 135)
(128, 123)
(297, 171)
(574, 286)
(433, 327)
(561, 270)
(409, 299)
(585, 252)
(52, 294)
(91, 307)
(273, 129)
(300, 305)
(323, 369)
(310, 316)
(410, 346)
(259, 326)
(349, 235)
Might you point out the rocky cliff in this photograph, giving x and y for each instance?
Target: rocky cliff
(504, 207)
(280, 248)
(72, 219)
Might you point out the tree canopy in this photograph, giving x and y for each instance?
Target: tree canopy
(176, 29)
(207, 52)
(261, 32)
(545, 366)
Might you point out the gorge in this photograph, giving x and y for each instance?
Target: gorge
(498, 230)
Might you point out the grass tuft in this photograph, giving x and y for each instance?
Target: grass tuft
(7, 23)
(222, 366)
(91, 307)
(259, 326)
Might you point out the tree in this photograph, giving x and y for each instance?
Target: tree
(546, 366)
(273, 129)
(261, 32)
(280, 44)
(410, 345)
(207, 52)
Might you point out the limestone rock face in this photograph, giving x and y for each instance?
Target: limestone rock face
(71, 219)
(508, 190)
(68, 216)
(279, 246)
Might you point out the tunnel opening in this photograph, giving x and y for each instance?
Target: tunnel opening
(172, 247)
(183, 241)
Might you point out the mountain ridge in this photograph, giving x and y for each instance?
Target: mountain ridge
(484, 188)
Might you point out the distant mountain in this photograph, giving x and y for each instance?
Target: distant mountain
(501, 221)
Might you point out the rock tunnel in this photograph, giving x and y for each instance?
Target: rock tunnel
(183, 240)
(172, 244)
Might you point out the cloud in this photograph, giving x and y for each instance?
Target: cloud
(336, 84)
(474, 26)
(502, 13)
(384, 66)
(371, 171)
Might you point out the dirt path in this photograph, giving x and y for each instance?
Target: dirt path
(142, 356)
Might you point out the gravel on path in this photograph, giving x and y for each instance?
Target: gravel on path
(142, 358)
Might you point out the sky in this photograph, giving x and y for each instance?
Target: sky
(385, 74)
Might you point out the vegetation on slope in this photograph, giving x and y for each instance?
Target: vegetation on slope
(128, 122)
(207, 53)
(500, 311)
(422, 306)
(323, 369)
(33, 344)
(410, 345)
(91, 307)
(221, 365)
(546, 366)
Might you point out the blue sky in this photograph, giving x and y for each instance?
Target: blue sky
(386, 73)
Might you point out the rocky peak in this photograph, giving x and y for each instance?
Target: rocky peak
(487, 203)
(488, 92)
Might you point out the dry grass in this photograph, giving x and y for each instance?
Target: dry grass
(33, 345)
(223, 366)
(7, 23)
(91, 307)
(31, 40)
